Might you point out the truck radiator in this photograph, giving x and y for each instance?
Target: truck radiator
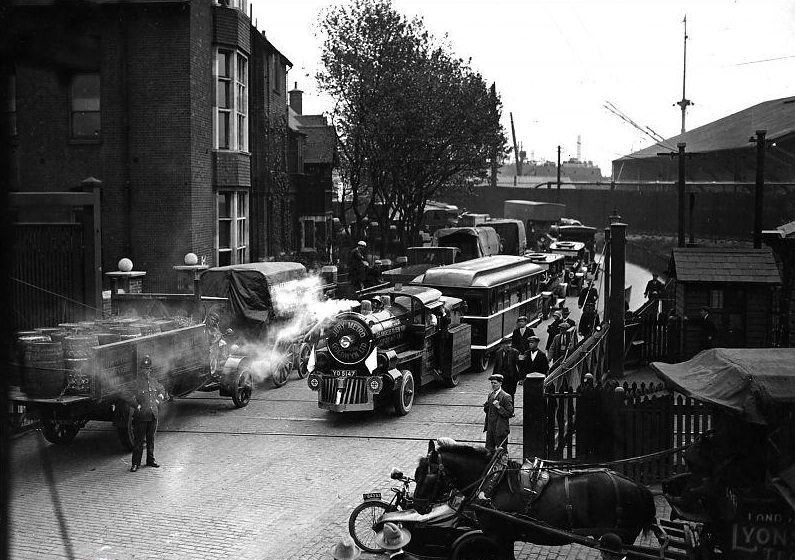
(354, 390)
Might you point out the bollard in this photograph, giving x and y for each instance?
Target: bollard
(535, 416)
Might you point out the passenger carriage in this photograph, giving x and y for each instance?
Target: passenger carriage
(400, 339)
(497, 290)
(576, 258)
(553, 287)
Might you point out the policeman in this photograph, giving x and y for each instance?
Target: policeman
(146, 410)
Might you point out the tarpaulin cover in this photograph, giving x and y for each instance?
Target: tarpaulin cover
(743, 380)
(248, 287)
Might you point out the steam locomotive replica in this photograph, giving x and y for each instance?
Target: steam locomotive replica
(398, 340)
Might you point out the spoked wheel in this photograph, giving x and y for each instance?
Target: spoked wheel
(303, 359)
(59, 432)
(283, 370)
(404, 394)
(362, 523)
(480, 361)
(245, 386)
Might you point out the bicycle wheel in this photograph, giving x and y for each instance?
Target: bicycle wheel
(361, 523)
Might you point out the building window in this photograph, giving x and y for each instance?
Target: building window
(84, 93)
(12, 105)
(278, 76)
(232, 227)
(241, 5)
(716, 299)
(231, 121)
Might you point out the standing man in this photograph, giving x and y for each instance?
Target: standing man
(521, 334)
(553, 327)
(711, 328)
(358, 265)
(588, 320)
(654, 288)
(498, 408)
(146, 409)
(536, 360)
(506, 363)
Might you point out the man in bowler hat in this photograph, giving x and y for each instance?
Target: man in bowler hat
(499, 409)
(149, 393)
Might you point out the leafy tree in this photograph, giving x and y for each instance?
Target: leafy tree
(411, 117)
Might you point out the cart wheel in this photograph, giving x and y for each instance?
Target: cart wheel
(404, 394)
(282, 372)
(303, 359)
(124, 426)
(362, 522)
(58, 431)
(452, 381)
(480, 361)
(245, 386)
(477, 546)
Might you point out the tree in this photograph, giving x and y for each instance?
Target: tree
(411, 117)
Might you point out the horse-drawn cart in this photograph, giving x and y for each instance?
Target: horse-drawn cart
(741, 480)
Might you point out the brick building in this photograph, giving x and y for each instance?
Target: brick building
(179, 107)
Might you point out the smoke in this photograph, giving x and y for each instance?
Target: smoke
(301, 309)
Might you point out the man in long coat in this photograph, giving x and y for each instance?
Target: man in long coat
(149, 393)
(521, 334)
(506, 364)
(499, 409)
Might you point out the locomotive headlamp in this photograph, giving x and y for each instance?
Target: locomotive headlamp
(375, 384)
(313, 381)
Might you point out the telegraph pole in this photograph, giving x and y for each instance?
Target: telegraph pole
(685, 101)
(558, 167)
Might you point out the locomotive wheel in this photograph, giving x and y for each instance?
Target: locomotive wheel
(404, 394)
(477, 546)
(59, 432)
(361, 524)
(480, 361)
(452, 381)
(124, 426)
(245, 386)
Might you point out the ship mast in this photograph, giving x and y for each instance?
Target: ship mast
(685, 101)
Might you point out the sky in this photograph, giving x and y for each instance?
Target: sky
(556, 63)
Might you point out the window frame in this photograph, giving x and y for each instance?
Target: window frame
(75, 111)
(232, 70)
(237, 224)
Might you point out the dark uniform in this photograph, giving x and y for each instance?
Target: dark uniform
(654, 288)
(506, 364)
(357, 268)
(146, 410)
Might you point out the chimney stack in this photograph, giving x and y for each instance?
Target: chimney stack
(296, 99)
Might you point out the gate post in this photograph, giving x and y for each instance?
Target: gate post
(535, 416)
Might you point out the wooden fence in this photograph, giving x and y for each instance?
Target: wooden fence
(600, 423)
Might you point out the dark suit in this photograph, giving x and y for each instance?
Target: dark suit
(521, 341)
(539, 364)
(505, 363)
(146, 410)
(496, 423)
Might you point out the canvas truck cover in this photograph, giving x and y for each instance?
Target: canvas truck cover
(741, 380)
(250, 287)
(536, 211)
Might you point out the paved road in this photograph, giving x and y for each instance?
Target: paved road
(275, 480)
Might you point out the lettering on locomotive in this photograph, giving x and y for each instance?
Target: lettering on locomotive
(349, 341)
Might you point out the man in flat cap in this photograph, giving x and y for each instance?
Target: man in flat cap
(358, 265)
(536, 361)
(521, 334)
(499, 409)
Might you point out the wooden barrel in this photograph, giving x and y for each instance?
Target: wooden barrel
(79, 346)
(147, 328)
(126, 333)
(78, 376)
(43, 375)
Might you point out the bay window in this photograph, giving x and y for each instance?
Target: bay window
(232, 208)
(231, 114)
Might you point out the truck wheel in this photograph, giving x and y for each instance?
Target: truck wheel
(282, 372)
(245, 386)
(480, 361)
(58, 431)
(303, 359)
(452, 381)
(404, 394)
(124, 426)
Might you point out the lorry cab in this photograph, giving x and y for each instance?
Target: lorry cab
(513, 236)
(420, 259)
(474, 242)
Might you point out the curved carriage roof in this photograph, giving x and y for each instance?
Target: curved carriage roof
(566, 245)
(544, 258)
(744, 381)
(484, 272)
(425, 295)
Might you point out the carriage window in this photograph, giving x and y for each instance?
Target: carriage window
(474, 305)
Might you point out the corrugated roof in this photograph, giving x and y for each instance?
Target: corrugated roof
(715, 264)
(777, 117)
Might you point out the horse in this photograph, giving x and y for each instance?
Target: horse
(587, 502)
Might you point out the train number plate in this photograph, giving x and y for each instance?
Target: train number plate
(371, 496)
(343, 372)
